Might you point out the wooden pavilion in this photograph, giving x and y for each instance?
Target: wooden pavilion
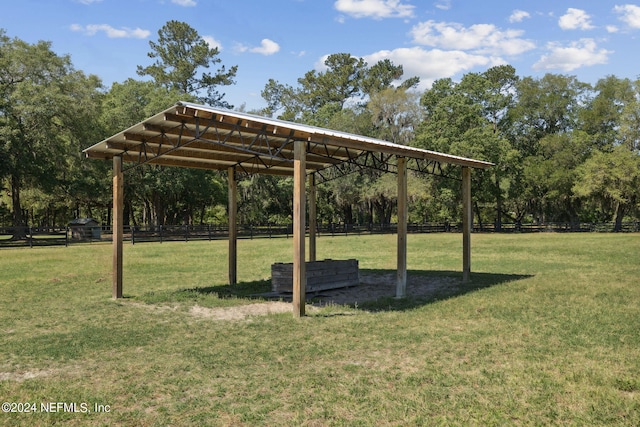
(197, 136)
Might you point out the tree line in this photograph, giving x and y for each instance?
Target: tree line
(564, 150)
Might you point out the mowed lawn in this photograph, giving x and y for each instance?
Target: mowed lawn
(547, 333)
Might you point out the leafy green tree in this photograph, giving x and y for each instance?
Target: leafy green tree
(347, 80)
(552, 175)
(45, 111)
(344, 194)
(351, 96)
(551, 105)
(180, 53)
(630, 121)
(613, 179)
(395, 113)
(546, 106)
(280, 98)
(341, 81)
(603, 116)
(265, 199)
(156, 195)
(471, 119)
(133, 101)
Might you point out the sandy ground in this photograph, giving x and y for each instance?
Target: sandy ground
(372, 287)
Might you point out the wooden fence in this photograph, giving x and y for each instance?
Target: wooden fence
(49, 236)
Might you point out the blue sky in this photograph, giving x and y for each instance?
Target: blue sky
(283, 39)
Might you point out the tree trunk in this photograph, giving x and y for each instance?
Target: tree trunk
(347, 211)
(203, 209)
(159, 209)
(619, 215)
(388, 212)
(477, 209)
(498, 205)
(18, 219)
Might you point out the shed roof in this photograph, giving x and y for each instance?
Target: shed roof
(198, 136)
(83, 222)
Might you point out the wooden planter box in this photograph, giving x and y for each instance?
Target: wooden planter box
(321, 275)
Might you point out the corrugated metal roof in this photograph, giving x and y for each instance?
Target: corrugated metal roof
(199, 136)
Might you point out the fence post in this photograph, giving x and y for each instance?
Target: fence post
(133, 238)
(66, 237)
(30, 237)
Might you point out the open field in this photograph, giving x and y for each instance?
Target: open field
(547, 333)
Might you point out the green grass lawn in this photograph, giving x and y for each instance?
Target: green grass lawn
(547, 333)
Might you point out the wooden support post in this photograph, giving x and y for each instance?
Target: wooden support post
(467, 218)
(312, 217)
(118, 226)
(299, 267)
(401, 282)
(233, 226)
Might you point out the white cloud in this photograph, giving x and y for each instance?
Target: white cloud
(213, 43)
(88, 1)
(444, 4)
(320, 65)
(519, 16)
(582, 53)
(376, 9)
(267, 47)
(612, 29)
(630, 14)
(113, 33)
(185, 3)
(434, 64)
(479, 38)
(575, 19)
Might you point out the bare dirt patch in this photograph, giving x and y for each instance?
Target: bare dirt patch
(374, 286)
(241, 312)
(27, 375)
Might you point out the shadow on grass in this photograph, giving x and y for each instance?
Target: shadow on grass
(426, 287)
(375, 293)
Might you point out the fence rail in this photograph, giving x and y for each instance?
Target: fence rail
(34, 236)
(49, 236)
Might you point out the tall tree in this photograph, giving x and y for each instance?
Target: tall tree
(157, 195)
(180, 53)
(603, 117)
(351, 96)
(395, 113)
(612, 178)
(346, 80)
(546, 106)
(552, 174)
(470, 118)
(43, 107)
(630, 122)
